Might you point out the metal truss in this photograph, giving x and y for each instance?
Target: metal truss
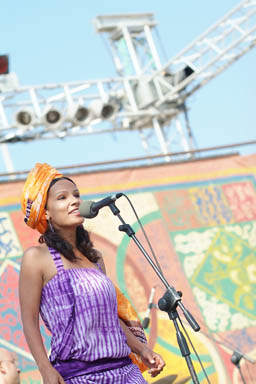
(147, 97)
(210, 54)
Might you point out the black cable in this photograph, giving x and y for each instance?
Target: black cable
(228, 345)
(145, 235)
(195, 352)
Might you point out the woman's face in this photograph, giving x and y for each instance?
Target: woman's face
(62, 205)
(9, 369)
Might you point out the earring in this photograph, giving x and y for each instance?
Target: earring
(50, 225)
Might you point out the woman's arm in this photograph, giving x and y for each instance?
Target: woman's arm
(30, 289)
(149, 357)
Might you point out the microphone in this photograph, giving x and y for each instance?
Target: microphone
(90, 209)
(146, 320)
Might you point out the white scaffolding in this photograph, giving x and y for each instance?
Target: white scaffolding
(147, 96)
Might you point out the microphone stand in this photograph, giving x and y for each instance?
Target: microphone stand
(170, 300)
(236, 355)
(235, 359)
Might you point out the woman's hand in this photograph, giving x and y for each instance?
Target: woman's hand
(51, 376)
(149, 357)
(152, 360)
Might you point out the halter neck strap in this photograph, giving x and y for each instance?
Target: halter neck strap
(57, 259)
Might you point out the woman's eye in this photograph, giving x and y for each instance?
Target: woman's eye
(61, 197)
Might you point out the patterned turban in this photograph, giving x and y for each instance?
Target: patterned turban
(34, 195)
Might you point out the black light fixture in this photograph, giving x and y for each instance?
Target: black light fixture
(183, 74)
(81, 114)
(177, 77)
(52, 117)
(77, 114)
(24, 117)
(107, 111)
(102, 110)
(4, 64)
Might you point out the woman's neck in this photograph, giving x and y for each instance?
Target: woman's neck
(69, 235)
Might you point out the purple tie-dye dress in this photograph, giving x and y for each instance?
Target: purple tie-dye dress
(88, 344)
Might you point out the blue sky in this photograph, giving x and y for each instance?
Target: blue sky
(55, 41)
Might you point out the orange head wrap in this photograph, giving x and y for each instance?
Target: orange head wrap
(34, 196)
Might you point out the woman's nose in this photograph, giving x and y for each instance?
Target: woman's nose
(76, 200)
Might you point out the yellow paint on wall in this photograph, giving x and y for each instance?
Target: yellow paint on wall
(192, 177)
(106, 224)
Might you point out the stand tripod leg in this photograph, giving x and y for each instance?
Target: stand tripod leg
(191, 370)
(184, 347)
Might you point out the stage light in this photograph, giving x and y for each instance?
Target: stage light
(102, 110)
(81, 114)
(176, 78)
(183, 74)
(4, 64)
(25, 117)
(78, 114)
(52, 117)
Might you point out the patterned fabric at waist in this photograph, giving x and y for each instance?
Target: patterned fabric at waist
(73, 368)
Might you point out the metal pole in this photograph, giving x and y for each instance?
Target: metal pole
(4, 148)
(161, 138)
(7, 159)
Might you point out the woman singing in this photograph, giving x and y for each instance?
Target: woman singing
(63, 279)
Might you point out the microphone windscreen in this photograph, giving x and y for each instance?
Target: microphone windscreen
(86, 211)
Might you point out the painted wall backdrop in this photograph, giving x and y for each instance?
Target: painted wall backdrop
(201, 220)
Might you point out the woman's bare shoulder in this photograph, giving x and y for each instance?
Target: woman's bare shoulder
(36, 250)
(37, 262)
(37, 253)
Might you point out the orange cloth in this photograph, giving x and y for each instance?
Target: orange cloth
(127, 313)
(34, 195)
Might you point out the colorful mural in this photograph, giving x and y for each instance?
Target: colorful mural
(200, 218)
